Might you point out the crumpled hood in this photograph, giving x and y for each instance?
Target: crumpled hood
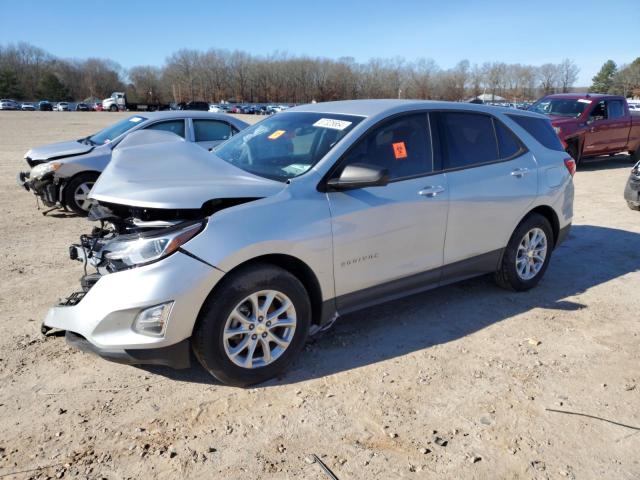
(173, 174)
(56, 150)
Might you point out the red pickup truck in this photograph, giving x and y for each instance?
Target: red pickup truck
(591, 124)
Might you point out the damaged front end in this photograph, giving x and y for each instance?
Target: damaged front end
(120, 243)
(134, 281)
(42, 182)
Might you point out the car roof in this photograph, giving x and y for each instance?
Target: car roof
(382, 107)
(576, 96)
(177, 114)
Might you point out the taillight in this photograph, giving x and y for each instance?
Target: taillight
(570, 163)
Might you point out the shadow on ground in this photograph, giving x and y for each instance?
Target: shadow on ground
(606, 163)
(448, 313)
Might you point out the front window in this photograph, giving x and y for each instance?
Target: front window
(286, 145)
(560, 107)
(114, 131)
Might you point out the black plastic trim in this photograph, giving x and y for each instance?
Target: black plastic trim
(562, 235)
(176, 356)
(420, 282)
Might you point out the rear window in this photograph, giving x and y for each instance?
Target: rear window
(211, 130)
(468, 139)
(508, 146)
(540, 129)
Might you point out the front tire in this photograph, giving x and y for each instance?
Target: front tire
(633, 206)
(527, 254)
(253, 326)
(76, 193)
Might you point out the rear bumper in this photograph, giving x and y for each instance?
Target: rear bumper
(174, 356)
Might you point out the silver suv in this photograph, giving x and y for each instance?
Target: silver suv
(307, 215)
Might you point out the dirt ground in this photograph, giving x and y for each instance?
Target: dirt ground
(453, 383)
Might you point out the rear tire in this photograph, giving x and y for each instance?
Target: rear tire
(76, 191)
(524, 262)
(240, 359)
(633, 206)
(574, 150)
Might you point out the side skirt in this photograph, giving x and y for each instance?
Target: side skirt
(421, 282)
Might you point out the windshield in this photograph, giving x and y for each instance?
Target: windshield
(287, 144)
(115, 130)
(560, 107)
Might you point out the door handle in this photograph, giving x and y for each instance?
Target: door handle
(431, 191)
(520, 172)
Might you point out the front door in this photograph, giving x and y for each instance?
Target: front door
(389, 240)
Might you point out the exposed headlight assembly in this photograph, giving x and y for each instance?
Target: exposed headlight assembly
(135, 250)
(42, 169)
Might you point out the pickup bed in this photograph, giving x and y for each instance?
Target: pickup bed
(590, 125)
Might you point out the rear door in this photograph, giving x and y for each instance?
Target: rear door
(209, 133)
(607, 128)
(492, 181)
(389, 240)
(175, 126)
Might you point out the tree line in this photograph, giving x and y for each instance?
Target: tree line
(29, 72)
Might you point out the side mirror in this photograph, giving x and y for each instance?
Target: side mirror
(359, 175)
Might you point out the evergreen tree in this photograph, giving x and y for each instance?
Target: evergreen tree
(9, 84)
(51, 88)
(603, 81)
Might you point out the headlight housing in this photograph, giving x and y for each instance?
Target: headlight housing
(127, 251)
(42, 169)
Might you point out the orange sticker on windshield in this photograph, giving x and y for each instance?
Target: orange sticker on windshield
(276, 134)
(399, 150)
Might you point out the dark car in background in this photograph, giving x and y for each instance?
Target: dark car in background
(82, 107)
(196, 105)
(45, 106)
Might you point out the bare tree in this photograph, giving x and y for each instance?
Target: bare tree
(567, 74)
(549, 76)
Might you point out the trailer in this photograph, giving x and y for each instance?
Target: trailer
(117, 102)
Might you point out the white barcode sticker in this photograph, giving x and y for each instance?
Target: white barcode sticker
(332, 123)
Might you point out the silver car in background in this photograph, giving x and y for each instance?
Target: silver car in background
(307, 215)
(64, 173)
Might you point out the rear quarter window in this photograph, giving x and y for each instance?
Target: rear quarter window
(540, 129)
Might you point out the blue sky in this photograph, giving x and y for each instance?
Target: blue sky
(146, 32)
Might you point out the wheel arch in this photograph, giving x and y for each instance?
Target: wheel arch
(72, 178)
(550, 214)
(297, 268)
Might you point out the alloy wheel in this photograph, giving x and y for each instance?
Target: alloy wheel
(531, 254)
(81, 195)
(259, 329)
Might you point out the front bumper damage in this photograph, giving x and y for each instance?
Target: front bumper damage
(99, 318)
(47, 188)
